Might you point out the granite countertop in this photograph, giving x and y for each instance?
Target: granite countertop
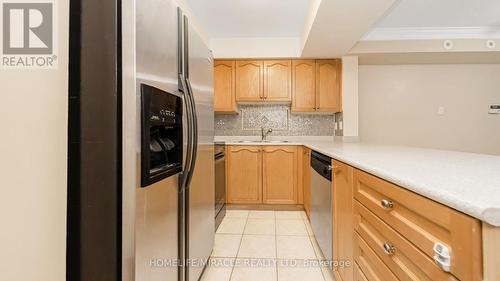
(467, 182)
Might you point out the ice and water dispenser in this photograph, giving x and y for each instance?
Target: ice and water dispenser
(161, 135)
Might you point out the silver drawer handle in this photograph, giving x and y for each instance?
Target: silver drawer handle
(387, 204)
(389, 249)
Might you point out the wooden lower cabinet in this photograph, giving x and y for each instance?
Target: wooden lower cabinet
(244, 174)
(306, 180)
(358, 274)
(372, 267)
(262, 174)
(424, 223)
(279, 177)
(407, 262)
(342, 217)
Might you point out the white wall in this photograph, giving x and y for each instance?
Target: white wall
(255, 47)
(399, 105)
(350, 98)
(33, 151)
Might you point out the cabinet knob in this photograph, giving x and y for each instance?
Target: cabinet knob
(387, 204)
(389, 249)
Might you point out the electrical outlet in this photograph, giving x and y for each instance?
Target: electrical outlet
(441, 110)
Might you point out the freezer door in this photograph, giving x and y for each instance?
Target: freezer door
(157, 239)
(156, 231)
(201, 192)
(156, 45)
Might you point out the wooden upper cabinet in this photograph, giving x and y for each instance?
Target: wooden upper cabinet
(279, 174)
(277, 80)
(249, 81)
(225, 86)
(328, 85)
(244, 174)
(303, 85)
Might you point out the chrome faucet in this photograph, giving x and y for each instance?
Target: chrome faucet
(265, 133)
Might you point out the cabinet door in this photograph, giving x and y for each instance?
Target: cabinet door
(249, 81)
(328, 86)
(306, 177)
(244, 174)
(279, 175)
(224, 86)
(303, 85)
(277, 78)
(343, 217)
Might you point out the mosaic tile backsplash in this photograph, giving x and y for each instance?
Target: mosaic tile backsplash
(276, 117)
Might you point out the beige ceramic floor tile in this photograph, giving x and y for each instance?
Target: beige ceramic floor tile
(260, 226)
(300, 272)
(232, 226)
(304, 215)
(226, 245)
(219, 269)
(254, 270)
(295, 247)
(290, 227)
(289, 215)
(261, 215)
(257, 246)
(240, 214)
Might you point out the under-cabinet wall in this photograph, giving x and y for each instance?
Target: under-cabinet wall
(398, 104)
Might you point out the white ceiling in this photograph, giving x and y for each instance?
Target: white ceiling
(443, 13)
(251, 18)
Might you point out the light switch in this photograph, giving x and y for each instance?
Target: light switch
(494, 109)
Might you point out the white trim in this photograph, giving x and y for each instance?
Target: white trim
(412, 33)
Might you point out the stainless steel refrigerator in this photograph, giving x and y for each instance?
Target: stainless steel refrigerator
(175, 216)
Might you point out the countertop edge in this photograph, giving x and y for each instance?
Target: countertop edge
(485, 214)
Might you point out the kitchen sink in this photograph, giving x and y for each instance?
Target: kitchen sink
(275, 141)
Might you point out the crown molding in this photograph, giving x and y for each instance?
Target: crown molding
(417, 33)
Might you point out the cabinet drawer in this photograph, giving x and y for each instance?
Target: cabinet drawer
(424, 222)
(406, 262)
(372, 267)
(358, 274)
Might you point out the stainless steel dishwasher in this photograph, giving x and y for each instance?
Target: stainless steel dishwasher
(321, 202)
(220, 183)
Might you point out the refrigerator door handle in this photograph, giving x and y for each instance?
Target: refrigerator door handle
(190, 129)
(195, 132)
